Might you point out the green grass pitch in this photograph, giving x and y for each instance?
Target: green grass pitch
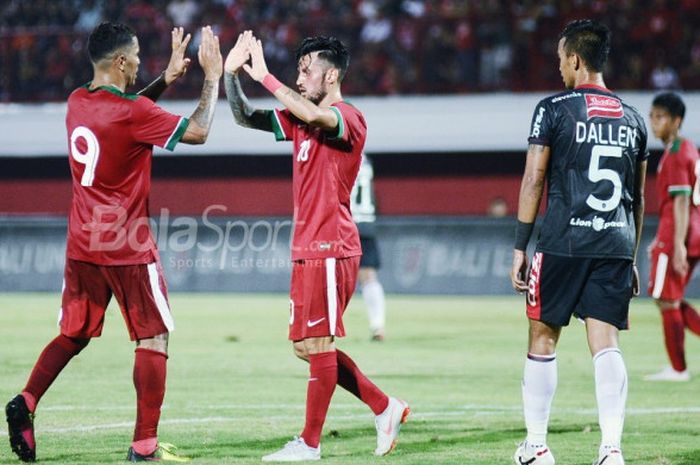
(236, 392)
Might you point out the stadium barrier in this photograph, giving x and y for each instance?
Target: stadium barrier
(420, 255)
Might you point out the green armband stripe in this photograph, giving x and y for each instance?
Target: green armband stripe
(177, 134)
(341, 124)
(277, 127)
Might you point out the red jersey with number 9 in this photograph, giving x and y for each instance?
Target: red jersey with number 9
(677, 174)
(325, 168)
(111, 136)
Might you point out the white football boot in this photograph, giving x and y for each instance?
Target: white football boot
(669, 374)
(388, 424)
(608, 455)
(295, 450)
(526, 454)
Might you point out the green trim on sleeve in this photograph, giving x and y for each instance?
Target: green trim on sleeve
(177, 134)
(679, 190)
(341, 123)
(277, 126)
(676, 147)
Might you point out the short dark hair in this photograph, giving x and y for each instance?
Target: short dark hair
(330, 49)
(671, 102)
(588, 39)
(108, 37)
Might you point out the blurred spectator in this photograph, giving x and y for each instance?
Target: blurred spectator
(662, 76)
(398, 46)
(182, 12)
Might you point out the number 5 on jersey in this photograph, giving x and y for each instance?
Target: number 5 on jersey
(597, 174)
(89, 157)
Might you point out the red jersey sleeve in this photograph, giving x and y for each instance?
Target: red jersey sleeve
(352, 127)
(153, 125)
(282, 124)
(680, 169)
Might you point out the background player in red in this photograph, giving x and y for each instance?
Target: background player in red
(110, 248)
(328, 136)
(591, 149)
(676, 248)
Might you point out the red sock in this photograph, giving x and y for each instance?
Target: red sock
(51, 362)
(690, 317)
(674, 335)
(149, 381)
(323, 378)
(354, 381)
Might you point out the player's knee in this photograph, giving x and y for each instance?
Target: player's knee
(300, 351)
(157, 343)
(73, 344)
(665, 305)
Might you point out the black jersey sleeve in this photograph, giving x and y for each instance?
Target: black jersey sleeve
(542, 124)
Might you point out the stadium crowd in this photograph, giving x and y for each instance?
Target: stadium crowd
(400, 46)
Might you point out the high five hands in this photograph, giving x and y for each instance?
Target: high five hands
(247, 47)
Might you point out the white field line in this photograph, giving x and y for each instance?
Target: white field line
(472, 410)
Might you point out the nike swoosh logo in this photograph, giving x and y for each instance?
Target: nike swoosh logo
(528, 462)
(311, 324)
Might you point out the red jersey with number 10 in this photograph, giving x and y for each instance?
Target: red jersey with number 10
(325, 168)
(677, 174)
(111, 136)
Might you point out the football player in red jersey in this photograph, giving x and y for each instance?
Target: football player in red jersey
(110, 247)
(328, 135)
(676, 248)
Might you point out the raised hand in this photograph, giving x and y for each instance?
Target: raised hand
(178, 64)
(209, 55)
(239, 54)
(258, 68)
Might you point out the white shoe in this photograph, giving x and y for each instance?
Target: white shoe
(295, 450)
(669, 374)
(526, 454)
(388, 424)
(609, 456)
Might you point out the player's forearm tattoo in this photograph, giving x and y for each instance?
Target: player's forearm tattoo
(155, 88)
(292, 94)
(204, 114)
(243, 112)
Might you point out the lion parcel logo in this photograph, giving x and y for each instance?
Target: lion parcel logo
(597, 223)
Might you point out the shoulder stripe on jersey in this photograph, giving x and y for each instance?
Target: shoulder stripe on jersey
(680, 190)
(277, 126)
(341, 123)
(177, 134)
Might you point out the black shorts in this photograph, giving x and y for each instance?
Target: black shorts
(370, 253)
(559, 287)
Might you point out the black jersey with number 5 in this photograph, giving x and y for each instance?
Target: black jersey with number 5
(595, 142)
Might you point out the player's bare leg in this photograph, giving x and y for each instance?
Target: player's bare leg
(674, 339)
(20, 410)
(538, 387)
(149, 380)
(373, 295)
(610, 387)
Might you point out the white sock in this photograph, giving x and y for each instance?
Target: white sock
(539, 385)
(611, 392)
(373, 294)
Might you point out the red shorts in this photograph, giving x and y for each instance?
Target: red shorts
(140, 291)
(664, 282)
(320, 292)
